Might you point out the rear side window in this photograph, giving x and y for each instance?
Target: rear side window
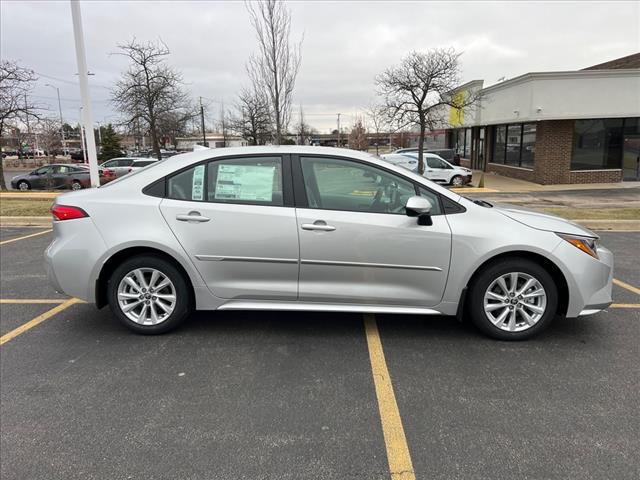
(248, 181)
(256, 181)
(187, 185)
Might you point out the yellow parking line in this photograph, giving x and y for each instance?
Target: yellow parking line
(25, 237)
(31, 301)
(624, 305)
(622, 284)
(395, 441)
(38, 320)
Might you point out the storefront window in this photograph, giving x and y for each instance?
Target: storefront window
(597, 144)
(499, 144)
(528, 145)
(514, 140)
(467, 143)
(515, 145)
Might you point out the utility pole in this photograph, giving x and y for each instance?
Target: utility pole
(204, 137)
(64, 141)
(29, 131)
(81, 58)
(339, 130)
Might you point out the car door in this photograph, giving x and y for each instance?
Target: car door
(41, 178)
(60, 176)
(236, 221)
(357, 245)
(434, 169)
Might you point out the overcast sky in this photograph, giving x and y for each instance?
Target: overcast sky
(345, 44)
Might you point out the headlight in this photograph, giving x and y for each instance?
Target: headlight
(588, 245)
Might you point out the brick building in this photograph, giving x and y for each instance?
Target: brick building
(555, 127)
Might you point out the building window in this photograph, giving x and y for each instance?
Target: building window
(467, 143)
(597, 144)
(514, 142)
(528, 145)
(515, 145)
(499, 144)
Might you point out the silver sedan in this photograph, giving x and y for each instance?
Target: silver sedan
(312, 228)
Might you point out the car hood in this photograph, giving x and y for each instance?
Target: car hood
(543, 221)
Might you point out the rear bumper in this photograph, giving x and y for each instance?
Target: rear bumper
(71, 256)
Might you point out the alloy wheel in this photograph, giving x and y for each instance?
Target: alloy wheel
(515, 301)
(23, 186)
(456, 182)
(146, 296)
(76, 186)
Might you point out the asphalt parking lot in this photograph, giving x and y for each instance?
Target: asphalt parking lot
(254, 395)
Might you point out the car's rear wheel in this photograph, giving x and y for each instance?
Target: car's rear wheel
(76, 185)
(513, 299)
(149, 295)
(23, 185)
(456, 181)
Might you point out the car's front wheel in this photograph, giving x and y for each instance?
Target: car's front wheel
(456, 181)
(149, 295)
(23, 185)
(513, 299)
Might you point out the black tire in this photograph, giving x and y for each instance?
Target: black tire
(183, 306)
(76, 185)
(23, 182)
(475, 305)
(453, 179)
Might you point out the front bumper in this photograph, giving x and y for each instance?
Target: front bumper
(590, 280)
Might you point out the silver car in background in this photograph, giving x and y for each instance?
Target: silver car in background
(322, 229)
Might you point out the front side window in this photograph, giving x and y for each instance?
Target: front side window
(434, 162)
(336, 184)
(110, 164)
(42, 171)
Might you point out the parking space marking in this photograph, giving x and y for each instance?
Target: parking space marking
(398, 456)
(11, 240)
(625, 305)
(38, 320)
(625, 285)
(31, 301)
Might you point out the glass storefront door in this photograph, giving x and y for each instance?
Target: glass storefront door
(631, 149)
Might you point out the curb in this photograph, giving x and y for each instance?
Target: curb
(29, 195)
(7, 221)
(618, 225)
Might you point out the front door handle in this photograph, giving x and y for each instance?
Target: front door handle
(319, 225)
(192, 217)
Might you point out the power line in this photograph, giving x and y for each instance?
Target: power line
(71, 82)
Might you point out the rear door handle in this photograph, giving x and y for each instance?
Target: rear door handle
(192, 217)
(319, 225)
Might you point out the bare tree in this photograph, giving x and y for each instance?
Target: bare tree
(16, 83)
(302, 129)
(273, 70)
(378, 118)
(150, 89)
(417, 91)
(358, 137)
(174, 124)
(49, 139)
(251, 118)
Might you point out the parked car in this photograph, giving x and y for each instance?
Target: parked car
(436, 169)
(141, 163)
(447, 154)
(57, 177)
(120, 165)
(77, 156)
(310, 228)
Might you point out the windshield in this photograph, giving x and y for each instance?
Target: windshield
(133, 173)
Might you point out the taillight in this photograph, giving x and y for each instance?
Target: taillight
(66, 212)
(107, 173)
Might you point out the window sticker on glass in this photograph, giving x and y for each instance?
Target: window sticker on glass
(197, 190)
(245, 182)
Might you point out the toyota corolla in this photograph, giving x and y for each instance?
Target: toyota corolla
(317, 229)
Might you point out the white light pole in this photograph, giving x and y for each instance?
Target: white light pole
(82, 145)
(87, 120)
(64, 141)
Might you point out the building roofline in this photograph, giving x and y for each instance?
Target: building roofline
(621, 72)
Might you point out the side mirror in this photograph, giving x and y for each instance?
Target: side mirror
(419, 207)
